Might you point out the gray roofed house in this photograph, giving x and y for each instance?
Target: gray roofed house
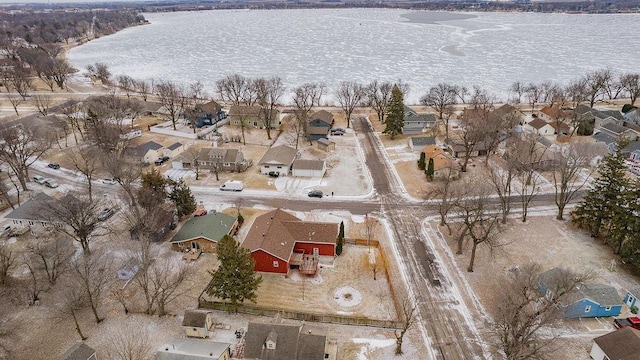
(30, 214)
(279, 159)
(224, 159)
(418, 142)
(308, 168)
(79, 351)
(204, 232)
(415, 123)
(284, 342)
(618, 131)
(319, 124)
(622, 344)
(604, 137)
(174, 146)
(632, 151)
(147, 152)
(192, 349)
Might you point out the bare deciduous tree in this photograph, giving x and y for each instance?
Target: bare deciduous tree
(51, 256)
(442, 99)
(524, 313)
(630, 82)
(172, 96)
(70, 301)
(15, 101)
(87, 161)
(528, 157)
(569, 161)
(349, 95)
(305, 97)
(595, 84)
(73, 112)
(268, 94)
(21, 146)
(8, 260)
(408, 318)
(377, 96)
(239, 91)
(447, 192)
(92, 274)
(131, 342)
(501, 179)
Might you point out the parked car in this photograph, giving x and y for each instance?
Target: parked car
(39, 179)
(200, 212)
(109, 181)
(339, 129)
(105, 213)
(335, 132)
(51, 183)
(54, 166)
(315, 193)
(274, 173)
(232, 185)
(161, 160)
(633, 322)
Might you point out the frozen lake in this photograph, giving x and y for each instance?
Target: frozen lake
(491, 50)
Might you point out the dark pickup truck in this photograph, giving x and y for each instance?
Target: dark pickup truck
(633, 322)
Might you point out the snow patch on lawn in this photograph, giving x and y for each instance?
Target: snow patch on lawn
(347, 296)
(371, 344)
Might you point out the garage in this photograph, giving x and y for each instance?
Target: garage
(309, 168)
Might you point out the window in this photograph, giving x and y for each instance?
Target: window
(587, 308)
(266, 166)
(608, 308)
(276, 264)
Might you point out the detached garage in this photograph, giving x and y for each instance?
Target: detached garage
(309, 168)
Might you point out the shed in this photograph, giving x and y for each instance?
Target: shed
(309, 168)
(622, 344)
(129, 269)
(196, 323)
(326, 144)
(192, 349)
(418, 142)
(79, 351)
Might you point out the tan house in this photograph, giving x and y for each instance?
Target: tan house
(308, 168)
(554, 113)
(173, 150)
(144, 153)
(211, 158)
(443, 164)
(278, 159)
(202, 233)
(196, 323)
(326, 144)
(251, 116)
(539, 127)
(193, 349)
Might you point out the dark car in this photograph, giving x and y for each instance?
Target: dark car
(315, 193)
(161, 160)
(337, 132)
(274, 173)
(54, 166)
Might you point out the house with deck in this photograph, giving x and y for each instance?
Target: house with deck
(278, 159)
(279, 242)
(585, 300)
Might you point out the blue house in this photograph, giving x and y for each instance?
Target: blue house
(205, 114)
(586, 300)
(631, 298)
(319, 124)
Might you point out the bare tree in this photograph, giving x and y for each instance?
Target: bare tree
(595, 84)
(305, 97)
(480, 221)
(528, 157)
(50, 256)
(92, 274)
(70, 301)
(78, 218)
(126, 83)
(377, 96)
(568, 164)
(143, 88)
(21, 146)
(73, 112)
(192, 156)
(131, 342)
(87, 162)
(533, 93)
(408, 318)
(239, 91)
(576, 92)
(18, 80)
(349, 95)
(500, 179)
(630, 82)
(43, 102)
(471, 133)
(172, 96)
(447, 192)
(15, 101)
(32, 286)
(523, 327)
(518, 89)
(442, 98)
(8, 261)
(268, 94)
(99, 71)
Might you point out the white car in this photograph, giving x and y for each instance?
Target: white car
(39, 179)
(108, 181)
(51, 183)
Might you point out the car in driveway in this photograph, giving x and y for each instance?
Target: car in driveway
(336, 132)
(105, 213)
(161, 160)
(274, 174)
(201, 212)
(54, 166)
(39, 179)
(315, 193)
(51, 183)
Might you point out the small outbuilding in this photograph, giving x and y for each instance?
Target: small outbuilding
(326, 144)
(196, 323)
(79, 351)
(309, 168)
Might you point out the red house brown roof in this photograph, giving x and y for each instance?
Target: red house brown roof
(277, 231)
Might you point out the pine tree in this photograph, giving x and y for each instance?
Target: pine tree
(430, 170)
(340, 241)
(235, 279)
(605, 200)
(421, 162)
(395, 113)
(183, 199)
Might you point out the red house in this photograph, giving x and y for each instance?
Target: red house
(279, 241)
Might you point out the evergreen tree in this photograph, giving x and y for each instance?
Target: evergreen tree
(340, 241)
(153, 191)
(430, 170)
(630, 244)
(235, 279)
(183, 199)
(422, 162)
(603, 205)
(395, 113)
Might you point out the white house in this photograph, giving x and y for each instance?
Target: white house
(309, 168)
(539, 127)
(192, 349)
(622, 344)
(278, 159)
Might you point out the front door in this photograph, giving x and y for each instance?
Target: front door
(195, 245)
(316, 252)
(630, 300)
